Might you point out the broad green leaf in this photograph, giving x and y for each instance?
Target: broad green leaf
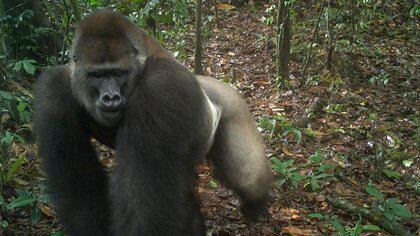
(392, 174)
(21, 106)
(58, 233)
(4, 224)
(29, 67)
(1, 200)
(7, 95)
(7, 138)
(14, 168)
(314, 184)
(316, 158)
(401, 211)
(35, 215)
(374, 192)
(316, 215)
(22, 201)
(337, 225)
(18, 66)
(371, 228)
(323, 175)
(325, 167)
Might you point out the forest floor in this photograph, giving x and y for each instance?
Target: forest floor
(359, 124)
(355, 119)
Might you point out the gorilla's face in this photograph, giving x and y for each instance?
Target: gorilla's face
(102, 71)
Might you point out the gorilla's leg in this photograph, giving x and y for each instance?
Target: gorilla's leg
(75, 178)
(237, 151)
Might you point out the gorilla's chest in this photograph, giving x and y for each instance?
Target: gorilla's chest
(105, 135)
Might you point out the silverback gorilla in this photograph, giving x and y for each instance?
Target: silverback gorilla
(123, 89)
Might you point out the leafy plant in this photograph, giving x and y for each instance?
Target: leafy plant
(336, 222)
(391, 209)
(28, 65)
(287, 173)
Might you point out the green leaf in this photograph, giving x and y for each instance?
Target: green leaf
(314, 184)
(296, 178)
(44, 198)
(337, 225)
(392, 174)
(35, 215)
(14, 168)
(316, 215)
(374, 192)
(371, 228)
(22, 201)
(7, 95)
(213, 184)
(407, 163)
(18, 66)
(325, 167)
(323, 175)
(58, 233)
(358, 228)
(4, 224)
(29, 67)
(22, 105)
(316, 158)
(401, 211)
(7, 139)
(1, 200)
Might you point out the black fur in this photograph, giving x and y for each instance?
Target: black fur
(156, 145)
(163, 130)
(76, 180)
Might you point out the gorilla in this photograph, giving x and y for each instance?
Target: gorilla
(124, 90)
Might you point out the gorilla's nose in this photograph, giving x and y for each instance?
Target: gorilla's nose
(111, 100)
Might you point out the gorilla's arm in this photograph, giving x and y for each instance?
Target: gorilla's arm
(157, 147)
(74, 175)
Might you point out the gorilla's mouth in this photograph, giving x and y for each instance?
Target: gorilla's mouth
(111, 114)
(109, 117)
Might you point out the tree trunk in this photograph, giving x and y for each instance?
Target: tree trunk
(284, 35)
(198, 55)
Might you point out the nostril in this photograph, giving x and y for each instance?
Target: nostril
(111, 100)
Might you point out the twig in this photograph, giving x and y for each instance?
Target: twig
(65, 32)
(308, 57)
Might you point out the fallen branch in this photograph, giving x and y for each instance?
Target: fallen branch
(374, 217)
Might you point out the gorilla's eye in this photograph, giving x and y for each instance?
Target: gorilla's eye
(94, 74)
(120, 73)
(74, 57)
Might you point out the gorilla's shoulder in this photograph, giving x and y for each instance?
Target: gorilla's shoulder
(53, 79)
(53, 86)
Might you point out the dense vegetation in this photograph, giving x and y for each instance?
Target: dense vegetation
(332, 83)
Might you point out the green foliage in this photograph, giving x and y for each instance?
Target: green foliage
(288, 174)
(280, 127)
(28, 65)
(336, 222)
(16, 115)
(390, 207)
(26, 200)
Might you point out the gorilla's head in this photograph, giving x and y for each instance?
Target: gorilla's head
(104, 62)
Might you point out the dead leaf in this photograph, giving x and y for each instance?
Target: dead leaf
(298, 231)
(224, 6)
(48, 211)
